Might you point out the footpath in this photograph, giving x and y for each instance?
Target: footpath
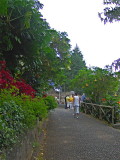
(85, 138)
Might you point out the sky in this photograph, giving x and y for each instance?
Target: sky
(99, 43)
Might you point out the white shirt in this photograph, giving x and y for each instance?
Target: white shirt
(76, 100)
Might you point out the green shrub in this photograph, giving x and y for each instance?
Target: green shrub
(34, 109)
(111, 100)
(18, 113)
(11, 123)
(50, 102)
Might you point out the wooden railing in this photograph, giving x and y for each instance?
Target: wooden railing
(102, 112)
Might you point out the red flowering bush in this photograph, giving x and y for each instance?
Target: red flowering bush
(24, 88)
(110, 100)
(6, 81)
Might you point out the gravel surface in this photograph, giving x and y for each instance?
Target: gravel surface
(85, 138)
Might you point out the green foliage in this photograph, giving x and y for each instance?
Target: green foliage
(111, 100)
(116, 65)
(3, 7)
(96, 83)
(33, 51)
(50, 102)
(18, 113)
(11, 123)
(77, 63)
(111, 12)
(33, 109)
(11, 118)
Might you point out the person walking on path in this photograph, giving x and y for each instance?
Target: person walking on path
(83, 98)
(67, 101)
(76, 104)
(71, 101)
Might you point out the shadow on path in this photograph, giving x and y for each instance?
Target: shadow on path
(85, 138)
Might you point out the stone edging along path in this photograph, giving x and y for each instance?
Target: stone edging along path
(30, 145)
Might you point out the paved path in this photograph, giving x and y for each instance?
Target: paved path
(80, 139)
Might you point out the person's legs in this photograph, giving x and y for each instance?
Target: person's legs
(68, 105)
(77, 111)
(74, 111)
(65, 105)
(71, 105)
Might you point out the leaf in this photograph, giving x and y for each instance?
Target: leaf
(3, 7)
(17, 39)
(27, 19)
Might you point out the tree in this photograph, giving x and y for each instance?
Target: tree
(116, 64)
(55, 56)
(29, 46)
(77, 62)
(96, 83)
(20, 28)
(111, 11)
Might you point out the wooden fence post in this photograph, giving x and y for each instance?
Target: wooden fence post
(92, 110)
(113, 114)
(100, 116)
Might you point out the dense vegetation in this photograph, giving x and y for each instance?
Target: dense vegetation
(29, 46)
(33, 58)
(19, 107)
(100, 85)
(19, 113)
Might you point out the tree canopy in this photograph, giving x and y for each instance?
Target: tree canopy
(111, 11)
(116, 64)
(77, 61)
(96, 83)
(29, 46)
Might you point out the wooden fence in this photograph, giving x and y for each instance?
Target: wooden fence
(102, 112)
